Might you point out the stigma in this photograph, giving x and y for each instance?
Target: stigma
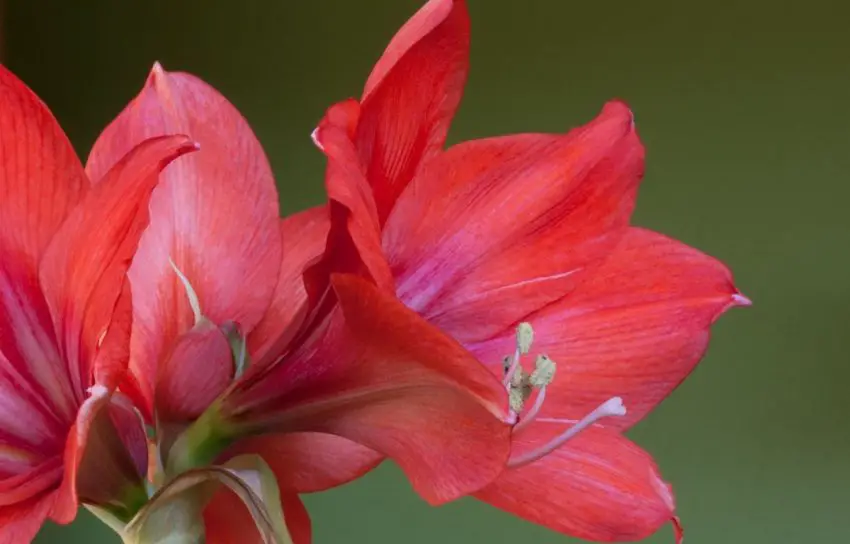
(521, 385)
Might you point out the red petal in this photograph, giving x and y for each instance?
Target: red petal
(130, 431)
(411, 97)
(83, 275)
(303, 235)
(99, 467)
(215, 214)
(21, 522)
(197, 371)
(30, 430)
(41, 177)
(635, 328)
(25, 483)
(41, 181)
(354, 240)
(495, 229)
(383, 377)
(227, 520)
(110, 362)
(104, 457)
(599, 487)
(310, 462)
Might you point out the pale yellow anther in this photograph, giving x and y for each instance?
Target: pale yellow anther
(519, 389)
(516, 400)
(524, 337)
(544, 372)
(518, 395)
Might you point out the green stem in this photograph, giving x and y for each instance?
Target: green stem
(201, 443)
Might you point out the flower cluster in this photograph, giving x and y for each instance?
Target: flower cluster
(184, 363)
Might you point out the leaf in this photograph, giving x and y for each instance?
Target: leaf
(175, 513)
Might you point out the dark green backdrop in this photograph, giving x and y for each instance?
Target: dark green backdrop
(742, 106)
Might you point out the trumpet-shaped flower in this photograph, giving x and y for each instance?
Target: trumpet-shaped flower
(518, 246)
(66, 240)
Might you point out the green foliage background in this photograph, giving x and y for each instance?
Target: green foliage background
(742, 106)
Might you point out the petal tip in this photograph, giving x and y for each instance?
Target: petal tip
(158, 78)
(316, 141)
(156, 74)
(678, 530)
(619, 108)
(738, 299)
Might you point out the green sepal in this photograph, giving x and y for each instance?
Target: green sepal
(175, 514)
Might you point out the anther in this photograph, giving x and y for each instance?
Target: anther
(544, 372)
(543, 375)
(519, 391)
(524, 337)
(529, 416)
(612, 407)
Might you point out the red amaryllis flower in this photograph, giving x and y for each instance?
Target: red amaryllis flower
(493, 233)
(65, 244)
(224, 333)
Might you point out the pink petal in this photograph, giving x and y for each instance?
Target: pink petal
(635, 328)
(227, 520)
(110, 361)
(99, 467)
(310, 462)
(303, 235)
(83, 275)
(41, 181)
(495, 229)
(130, 431)
(411, 97)
(379, 375)
(26, 483)
(215, 214)
(31, 438)
(21, 522)
(41, 177)
(198, 369)
(599, 487)
(354, 239)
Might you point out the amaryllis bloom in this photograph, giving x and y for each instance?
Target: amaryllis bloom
(66, 240)
(492, 235)
(233, 355)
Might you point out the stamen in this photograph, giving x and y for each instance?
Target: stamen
(512, 368)
(524, 338)
(526, 419)
(190, 293)
(544, 372)
(517, 397)
(611, 407)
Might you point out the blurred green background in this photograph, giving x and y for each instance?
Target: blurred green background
(742, 106)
